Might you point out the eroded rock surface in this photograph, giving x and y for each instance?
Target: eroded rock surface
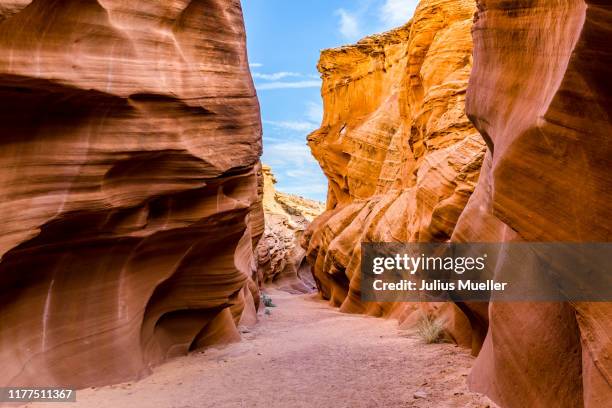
(281, 259)
(128, 186)
(400, 154)
(402, 161)
(540, 94)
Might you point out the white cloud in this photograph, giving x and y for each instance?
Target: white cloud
(313, 116)
(314, 112)
(297, 154)
(295, 168)
(397, 12)
(348, 24)
(255, 65)
(275, 76)
(290, 157)
(301, 126)
(317, 191)
(288, 85)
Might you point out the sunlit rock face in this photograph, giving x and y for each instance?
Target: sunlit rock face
(540, 94)
(281, 260)
(129, 192)
(400, 154)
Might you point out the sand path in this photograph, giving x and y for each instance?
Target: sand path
(305, 354)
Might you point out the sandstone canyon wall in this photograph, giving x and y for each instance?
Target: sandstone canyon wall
(130, 142)
(540, 95)
(403, 161)
(281, 260)
(400, 154)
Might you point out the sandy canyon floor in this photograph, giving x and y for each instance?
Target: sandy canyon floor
(305, 354)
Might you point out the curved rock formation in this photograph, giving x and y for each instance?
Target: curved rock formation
(400, 154)
(129, 192)
(540, 94)
(281, 260)
(402, 162)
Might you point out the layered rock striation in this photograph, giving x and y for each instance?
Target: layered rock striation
(400, 154)
(281, 260)
(539, 94)
(128, 186)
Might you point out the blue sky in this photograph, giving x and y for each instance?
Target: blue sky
(284, 39)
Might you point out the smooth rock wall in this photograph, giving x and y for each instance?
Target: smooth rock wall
(540, 94)
(129, 151)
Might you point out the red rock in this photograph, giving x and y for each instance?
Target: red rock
(539, 93)
(128, 181)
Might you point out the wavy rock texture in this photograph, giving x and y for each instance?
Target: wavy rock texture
(281, 260)
(400, 154)
(129, 192)
(541, 96)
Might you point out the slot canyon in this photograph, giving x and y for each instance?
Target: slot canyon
(149, 258)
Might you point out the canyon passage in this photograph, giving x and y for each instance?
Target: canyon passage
(306, 354)
(147, 259)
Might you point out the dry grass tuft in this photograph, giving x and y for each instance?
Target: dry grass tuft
(431, 330)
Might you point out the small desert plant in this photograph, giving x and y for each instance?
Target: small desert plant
(267, 300)
(431, 330)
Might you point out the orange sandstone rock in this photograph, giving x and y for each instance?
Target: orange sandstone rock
(402, 161)
(128, 186)
(400, 154)
(281, 260)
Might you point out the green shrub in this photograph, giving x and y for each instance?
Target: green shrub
(267, 300)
